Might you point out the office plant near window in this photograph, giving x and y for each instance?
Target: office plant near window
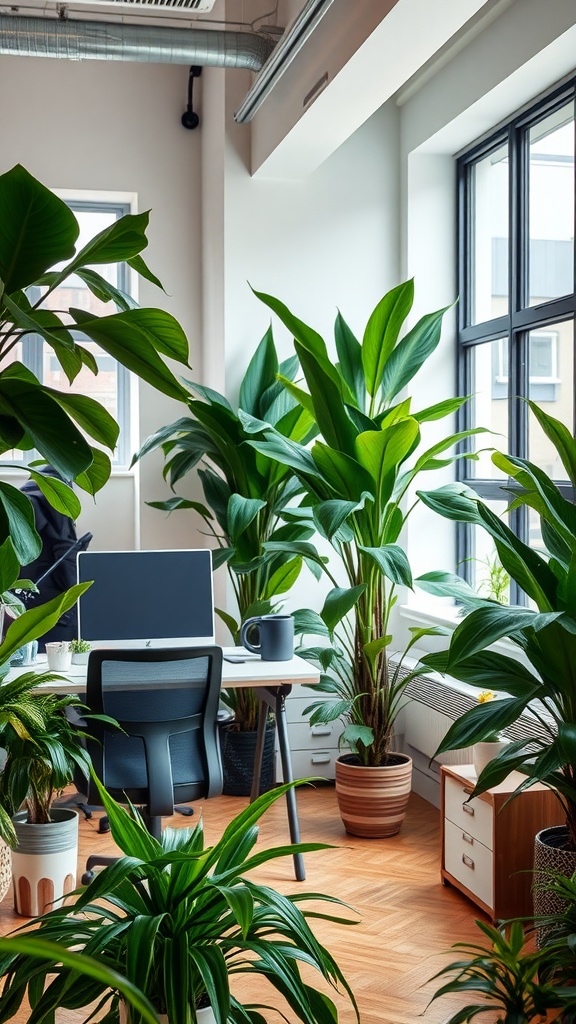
(357, 480)
(247, 496)
(39, 233)
(545, 635)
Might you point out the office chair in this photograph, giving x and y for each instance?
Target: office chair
(166, 701)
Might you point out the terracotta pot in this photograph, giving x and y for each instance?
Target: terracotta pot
(552, 852)
(372, 801)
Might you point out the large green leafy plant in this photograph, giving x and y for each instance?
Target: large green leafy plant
(246, 493)
(544, 635)
(38, 236)
(357, 480)
(180, 920)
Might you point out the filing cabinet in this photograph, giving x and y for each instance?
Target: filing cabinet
(488, 844)
(314, 747)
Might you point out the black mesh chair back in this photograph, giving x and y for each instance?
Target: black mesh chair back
(166, 702)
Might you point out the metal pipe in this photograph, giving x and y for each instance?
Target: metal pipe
(100, 40)
(283, 55)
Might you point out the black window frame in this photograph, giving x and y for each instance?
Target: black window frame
(520, 318)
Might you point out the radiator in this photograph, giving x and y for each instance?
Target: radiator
(432, 703)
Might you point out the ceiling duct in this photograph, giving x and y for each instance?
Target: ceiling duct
(288, 48)
(154, 44)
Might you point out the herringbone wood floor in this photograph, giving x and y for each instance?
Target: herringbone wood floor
(406, 919)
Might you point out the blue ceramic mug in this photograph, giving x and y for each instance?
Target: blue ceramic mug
(273, 637)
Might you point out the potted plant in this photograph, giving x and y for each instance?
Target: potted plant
(545, 636)
(516, 983)
(179, 920)
(38, 766)
(258, 536)
(487, 749)
(37, 254)
(356, 480)
(80, 651)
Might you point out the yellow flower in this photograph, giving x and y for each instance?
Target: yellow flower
(485, 696)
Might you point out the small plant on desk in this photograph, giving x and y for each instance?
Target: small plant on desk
(79, 646)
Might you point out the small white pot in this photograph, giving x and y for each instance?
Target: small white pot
(59, 655)
(205, 1015)
(485, 752)
(80, 657)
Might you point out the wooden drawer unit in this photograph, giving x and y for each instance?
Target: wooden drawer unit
(488, 848)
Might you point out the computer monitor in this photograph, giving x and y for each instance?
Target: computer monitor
(146, 598)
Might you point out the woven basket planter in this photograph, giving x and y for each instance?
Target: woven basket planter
(238, 749)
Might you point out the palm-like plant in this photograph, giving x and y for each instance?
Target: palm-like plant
(178, 920)
(506, 978)
(246, 493)
(545, 635)
(357, 481)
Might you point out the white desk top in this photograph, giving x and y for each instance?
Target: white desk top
(251, 671)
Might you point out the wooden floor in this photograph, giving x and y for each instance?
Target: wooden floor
(407, 919)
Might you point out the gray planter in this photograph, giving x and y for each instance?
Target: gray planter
(44, 862)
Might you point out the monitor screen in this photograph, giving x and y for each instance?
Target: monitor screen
(144, 598)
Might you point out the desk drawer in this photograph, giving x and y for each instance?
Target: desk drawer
(304, 736)
(312, 763)
(474, 817)
(469, 861)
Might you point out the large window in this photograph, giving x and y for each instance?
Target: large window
(110, 387)
(517, 303)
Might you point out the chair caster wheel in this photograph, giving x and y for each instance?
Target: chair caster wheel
(87, 877)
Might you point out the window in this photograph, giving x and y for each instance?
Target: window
(516, 268)
(111, 386)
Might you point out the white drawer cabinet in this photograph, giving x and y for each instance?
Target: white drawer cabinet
(488, 844)
(314, 747)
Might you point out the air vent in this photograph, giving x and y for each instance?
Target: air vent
(198, 6)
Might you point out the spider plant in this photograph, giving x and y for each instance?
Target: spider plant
(180, 920)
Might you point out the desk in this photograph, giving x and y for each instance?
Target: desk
(272, 681)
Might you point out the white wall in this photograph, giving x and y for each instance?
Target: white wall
(116, 127)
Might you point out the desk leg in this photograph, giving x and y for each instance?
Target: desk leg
(285, 756)
(257, 769)
(275, 697)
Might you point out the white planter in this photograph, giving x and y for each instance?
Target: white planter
(80, 658)
(485, 752)
(59, 656)
(205, 1015)
(45, 861)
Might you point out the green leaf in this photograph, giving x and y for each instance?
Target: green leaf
(260, 374)
(411, 353)
(59, 495)
(350, 355)
(338, 603)
(241, 512)
(382, 332)
(37, 621)
(104, 290)
(484, 626)
(345, 476)
(135, 338)
(441, 409)
(52, 432)
(17, 523)
(453, 501)
(9, 566)
(330, 411)
(137, 263)
(392, 561)
(283, 579)
(37, 229)
(448, 584)
(97, 474)
(330, 516)
(561, 438)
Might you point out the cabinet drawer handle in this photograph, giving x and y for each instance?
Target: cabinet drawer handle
(468, 810)
(321, 730)
(467, 861)
(320, 759)
(467, 838)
